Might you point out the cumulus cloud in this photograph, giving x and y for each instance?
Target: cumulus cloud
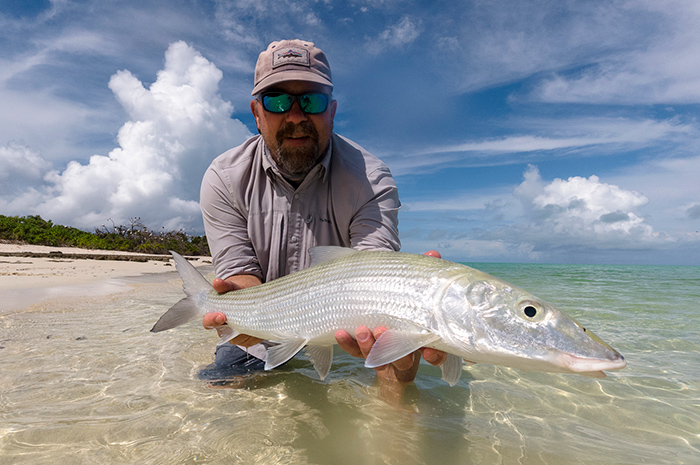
(560, 220)
(175, 128)
(580, 210)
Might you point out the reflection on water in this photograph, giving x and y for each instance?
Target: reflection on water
(87, 380)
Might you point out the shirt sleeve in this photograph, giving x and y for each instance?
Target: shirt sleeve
(226, 228)
(375, 226)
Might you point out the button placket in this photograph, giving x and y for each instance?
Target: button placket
(295, 241)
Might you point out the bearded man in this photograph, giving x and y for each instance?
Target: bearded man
(295, 186)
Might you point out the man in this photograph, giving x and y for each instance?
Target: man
(295, 186)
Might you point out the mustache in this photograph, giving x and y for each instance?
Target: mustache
(303, 129)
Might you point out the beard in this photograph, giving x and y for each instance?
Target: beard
(297, 161)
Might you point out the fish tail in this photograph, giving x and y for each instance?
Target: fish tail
(185, 310)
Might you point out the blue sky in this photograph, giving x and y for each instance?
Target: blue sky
(517, 131)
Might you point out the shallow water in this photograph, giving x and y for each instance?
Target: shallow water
(87, 380)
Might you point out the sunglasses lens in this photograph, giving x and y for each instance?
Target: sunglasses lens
(277, 103)
(313, 103)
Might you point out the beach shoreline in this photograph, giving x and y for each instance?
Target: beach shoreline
(32, 273)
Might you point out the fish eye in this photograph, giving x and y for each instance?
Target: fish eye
(531, 311)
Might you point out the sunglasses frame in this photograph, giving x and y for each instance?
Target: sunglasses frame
(295, 98)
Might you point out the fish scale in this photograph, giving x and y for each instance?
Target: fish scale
(422, 301)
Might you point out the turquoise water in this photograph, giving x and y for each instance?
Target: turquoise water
(84, 381)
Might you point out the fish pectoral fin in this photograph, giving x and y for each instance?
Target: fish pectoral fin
(227, 333)
(322, 358)
(392, 345)
(285, 350)
(452, 369)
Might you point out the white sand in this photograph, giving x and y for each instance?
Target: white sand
(27, 280)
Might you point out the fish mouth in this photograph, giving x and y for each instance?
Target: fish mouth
(592, 365)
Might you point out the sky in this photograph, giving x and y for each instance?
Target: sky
(552, 131)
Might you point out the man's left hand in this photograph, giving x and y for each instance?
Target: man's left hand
(403, 369)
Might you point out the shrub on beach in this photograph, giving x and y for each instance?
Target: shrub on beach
(135, 237)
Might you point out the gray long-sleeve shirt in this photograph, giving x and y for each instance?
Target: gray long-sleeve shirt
(257, 223)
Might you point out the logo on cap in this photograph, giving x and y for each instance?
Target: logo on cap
(291, 56)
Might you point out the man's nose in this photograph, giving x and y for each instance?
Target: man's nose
(295, 115)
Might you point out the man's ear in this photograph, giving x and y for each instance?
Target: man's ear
(254, 109)
(334, 107)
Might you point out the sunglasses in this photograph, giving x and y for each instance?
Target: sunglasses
(278, 102)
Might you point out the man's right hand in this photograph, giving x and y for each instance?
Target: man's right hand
(216, 319)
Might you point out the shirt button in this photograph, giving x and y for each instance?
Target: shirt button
(293, 239)
(296, 196)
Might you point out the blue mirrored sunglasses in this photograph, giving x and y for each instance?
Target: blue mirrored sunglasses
(278, 102)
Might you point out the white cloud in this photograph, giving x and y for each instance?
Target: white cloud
(19, 166)
(667, 70)
(596, 136)
(628, 51)
(502, 42)
(583, 210)
(574, 219)
(175, 128)
(397, 36)
(692, 211)
(671, 184)
(36, 103)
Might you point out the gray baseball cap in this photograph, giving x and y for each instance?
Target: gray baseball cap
(291, 60)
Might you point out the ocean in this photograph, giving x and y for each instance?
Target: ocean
(82, 380)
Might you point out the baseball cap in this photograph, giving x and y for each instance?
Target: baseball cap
(291, 60)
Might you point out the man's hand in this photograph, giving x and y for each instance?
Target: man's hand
(216, 320)
(403, 369)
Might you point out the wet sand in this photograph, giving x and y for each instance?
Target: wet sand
(32, 273)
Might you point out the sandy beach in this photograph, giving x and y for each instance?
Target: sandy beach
(31, 273)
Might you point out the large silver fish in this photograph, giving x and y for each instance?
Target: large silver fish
(423, 301)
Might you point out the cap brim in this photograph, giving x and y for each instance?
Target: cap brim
(290, 76)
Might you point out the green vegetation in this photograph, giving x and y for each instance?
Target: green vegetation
(132, 238)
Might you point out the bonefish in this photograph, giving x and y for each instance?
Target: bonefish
(422, 301)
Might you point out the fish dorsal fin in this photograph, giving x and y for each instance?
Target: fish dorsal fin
(392, 345)
(451, 369)
(322, 358)
(192, 280)
(325, 253)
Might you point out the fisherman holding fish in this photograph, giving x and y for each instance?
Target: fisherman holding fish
(287, 215)
(295, 186)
